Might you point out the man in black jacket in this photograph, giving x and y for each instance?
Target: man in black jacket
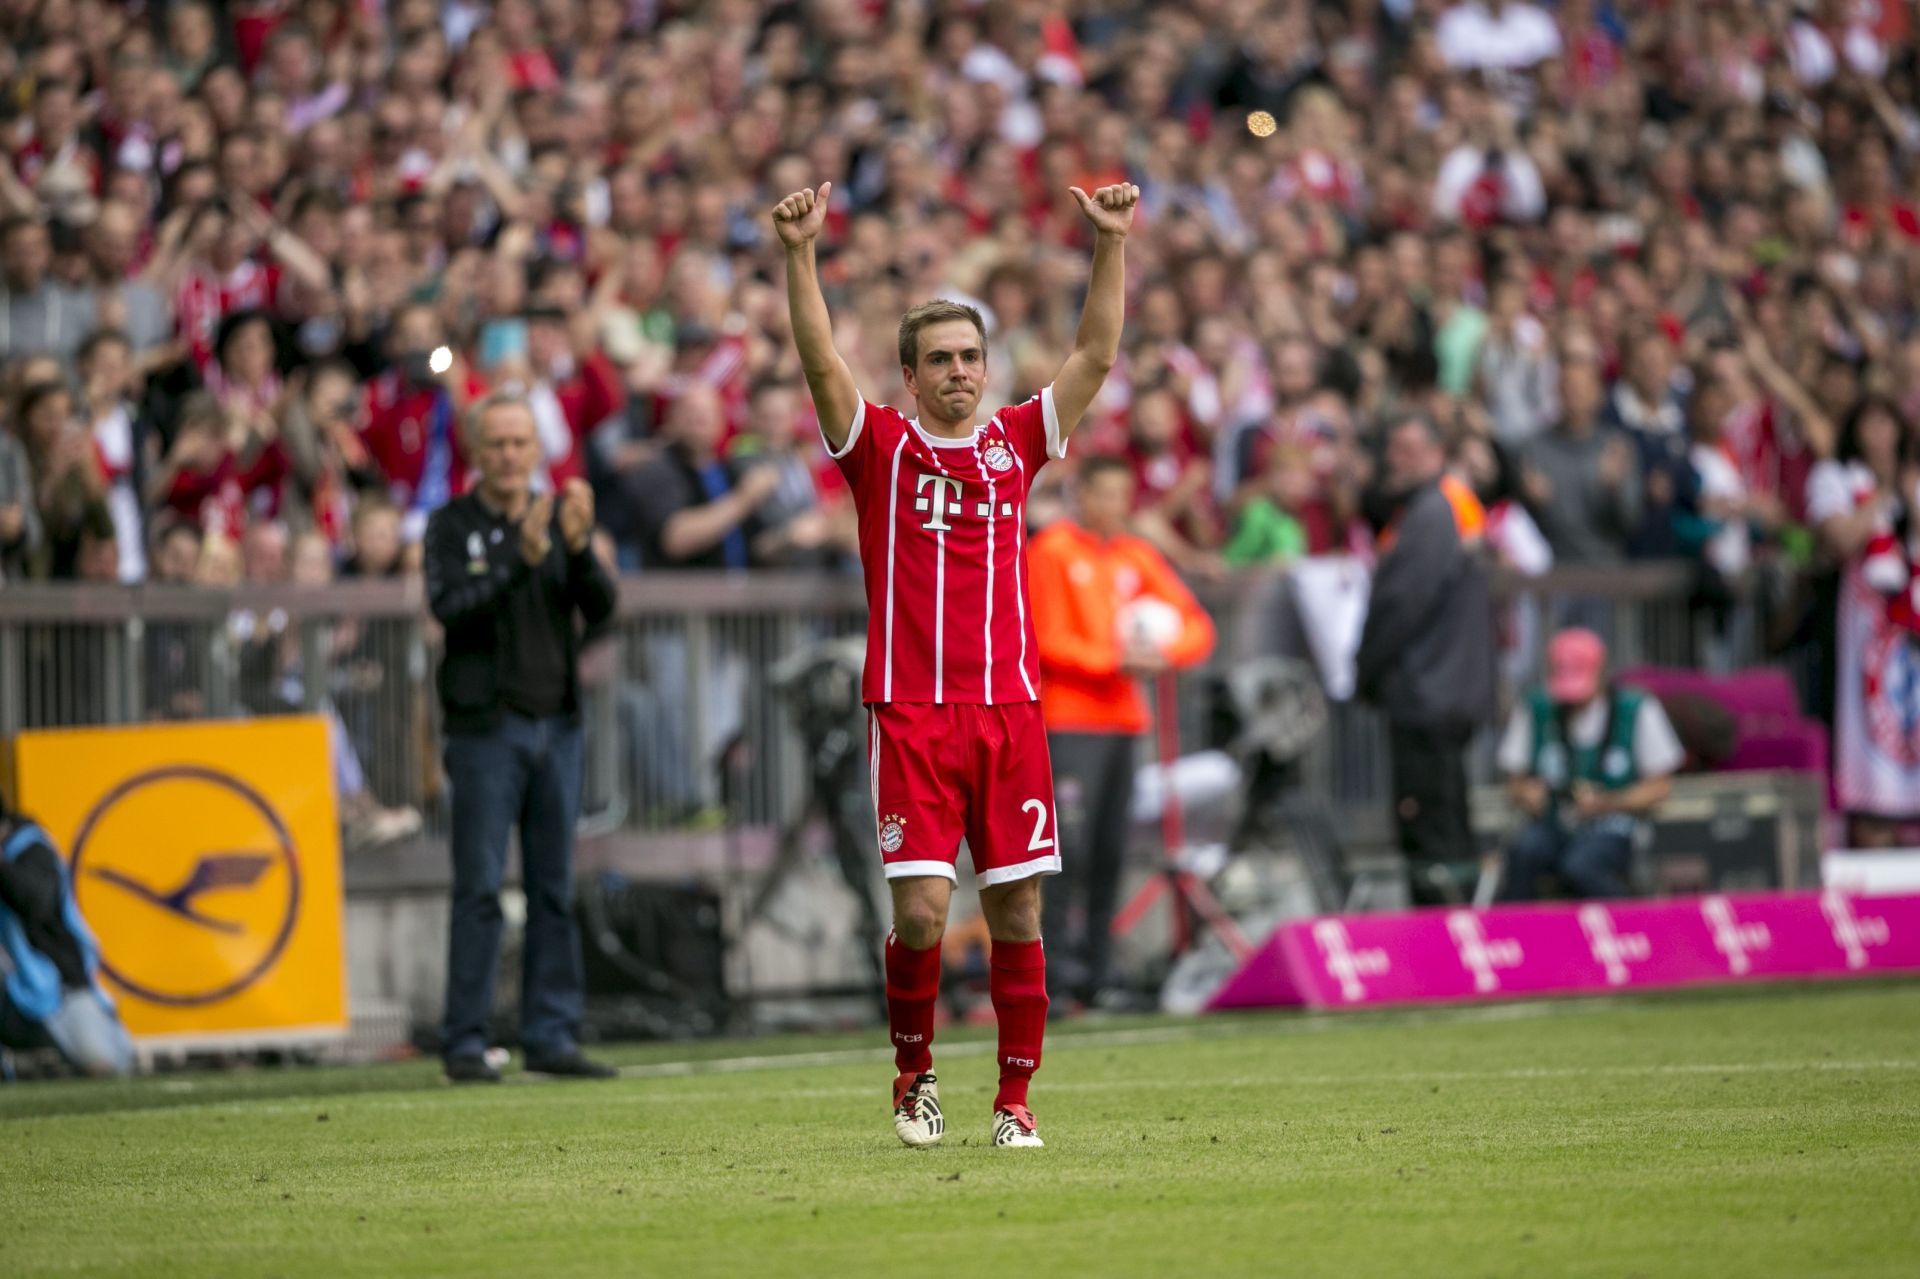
(506, 574)
(1427, 653)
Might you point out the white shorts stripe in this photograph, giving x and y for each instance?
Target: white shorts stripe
(873, 770)
(1048, 865)
(909, 870)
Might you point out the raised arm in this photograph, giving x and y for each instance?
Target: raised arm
(1097, 343)
(293, 253)
(798, 219)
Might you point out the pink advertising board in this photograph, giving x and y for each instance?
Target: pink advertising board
(1354, 961)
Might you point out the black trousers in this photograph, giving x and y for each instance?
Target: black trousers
(1092, 795)
(1430, 801)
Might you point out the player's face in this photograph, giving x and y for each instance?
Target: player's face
(951, 373)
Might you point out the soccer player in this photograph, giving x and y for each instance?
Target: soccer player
(956, 745)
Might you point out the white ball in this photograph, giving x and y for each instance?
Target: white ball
(1149, 621)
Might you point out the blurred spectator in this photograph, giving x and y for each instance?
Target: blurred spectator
(225, 468)
(1172, 477)
(38, 316)
(694, 510)
(413, 415)
(1581, 478)
(1496, 35)
(1516, 367)
(177, 653)
(126, 296)
(1267, 530)
(1587, 762)
(20, 532)
(800, 526)
(1489, 177)
(1426, 654)
(1862, 503)
(1109, 612)
(69, 489)
(571, 390)
(376, 541)
(1649, 404)
(319, 417)
(120, 443)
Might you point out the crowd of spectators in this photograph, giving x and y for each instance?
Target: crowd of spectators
(1643, 262)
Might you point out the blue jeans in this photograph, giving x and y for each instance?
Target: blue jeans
(1592, 863)
(524, 774)
(84, 1028)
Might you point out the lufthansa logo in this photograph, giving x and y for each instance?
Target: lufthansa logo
(191, 883)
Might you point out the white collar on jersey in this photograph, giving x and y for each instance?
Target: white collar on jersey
(942, 442)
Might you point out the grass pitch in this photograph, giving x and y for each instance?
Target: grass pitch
(1747, 1133)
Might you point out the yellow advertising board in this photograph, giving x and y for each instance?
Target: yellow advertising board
(206, 860)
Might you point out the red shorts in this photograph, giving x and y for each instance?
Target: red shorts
(941, 772)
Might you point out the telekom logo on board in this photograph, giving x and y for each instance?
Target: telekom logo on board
(1735, 940)
(1612, 950)
(1345, 964)
(1482, 957)
(1853, 933)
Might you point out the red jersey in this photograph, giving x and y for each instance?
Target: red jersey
(203, 300)
(411, 433)
(943, 543)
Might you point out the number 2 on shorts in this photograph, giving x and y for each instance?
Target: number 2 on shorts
(1039, 811)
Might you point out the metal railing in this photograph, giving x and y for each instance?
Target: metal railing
(679, 682)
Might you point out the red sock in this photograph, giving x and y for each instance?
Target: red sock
(913, 988)
(1019, 988)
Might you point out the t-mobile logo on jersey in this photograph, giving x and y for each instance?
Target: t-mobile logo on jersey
(1735, 940)
(1852, 933)
(940, 497)
(1613, 951)
(1345, 964)
(1478, 955)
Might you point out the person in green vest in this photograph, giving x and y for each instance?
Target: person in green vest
(1587, 761)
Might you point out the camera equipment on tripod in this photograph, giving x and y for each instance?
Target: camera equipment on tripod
(820, 687)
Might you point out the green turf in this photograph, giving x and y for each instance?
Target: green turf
(1741, 1134)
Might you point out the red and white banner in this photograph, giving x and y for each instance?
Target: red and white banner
(1350, 961)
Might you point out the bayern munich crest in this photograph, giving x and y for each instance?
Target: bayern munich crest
(893, 833)
(999, 457)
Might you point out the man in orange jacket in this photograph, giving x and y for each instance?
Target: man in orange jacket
(1109, 611)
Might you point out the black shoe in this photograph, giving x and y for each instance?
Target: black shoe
(573, 1065)
(471, 1069)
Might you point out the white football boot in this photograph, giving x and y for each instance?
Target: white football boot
(1014, 1126)
(916, 1110)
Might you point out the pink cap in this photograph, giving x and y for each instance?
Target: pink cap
(1576, 662)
